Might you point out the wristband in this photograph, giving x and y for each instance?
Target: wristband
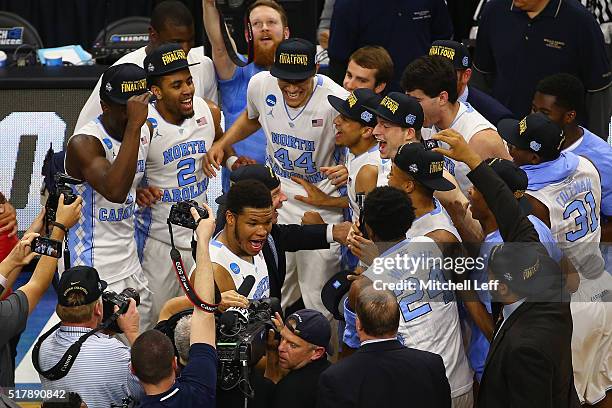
(230, 162)
(60, 226)
(3, 282)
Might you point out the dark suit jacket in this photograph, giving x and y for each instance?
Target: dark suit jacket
(530, 360)
(385, 374)
(290, 238)
(487, 106)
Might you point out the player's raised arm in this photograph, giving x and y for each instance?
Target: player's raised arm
(240, 130)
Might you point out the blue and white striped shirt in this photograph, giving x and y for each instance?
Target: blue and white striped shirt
(100, 373)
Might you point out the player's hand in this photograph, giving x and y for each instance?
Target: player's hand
(138, 109)
(312, 218)
(324, 39)
(459, 148)
(8, 219)
(207, 167)
(215, 154)
(337, 174)
(68, 215)
(205, 226)
(315, 196)
(242, 161)
(340, 232)
(129, 321)
(364, 249)
(231, 298)
(22, 254)
(147, 196)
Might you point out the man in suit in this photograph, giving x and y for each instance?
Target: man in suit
(489, 107)
(526, 366)
(383, 372)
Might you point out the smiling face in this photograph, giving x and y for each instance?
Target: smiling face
(390, 137)
(175, 94)
(296, 93)
(357, 76)
(348, 131)
(268, 32)
(250, 228)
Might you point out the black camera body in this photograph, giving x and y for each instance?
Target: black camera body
(180, 214)
(111, 299)
(62, 182)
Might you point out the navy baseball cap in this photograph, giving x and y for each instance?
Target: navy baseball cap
(400, 109)
(425, 166)
(257, 172)
(294, 60)
(84, 279)
(121, 82)
(334, 292)
(311, 326)
(535, 132)
(454, 51)
(515, 178)
(166, 59)
(355, 107)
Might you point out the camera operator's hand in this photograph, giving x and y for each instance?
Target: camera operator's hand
(22, 254)
(205, 226)
(129, 322)
(231, 298)
(38, 224)
(68, 215)
(138, 109)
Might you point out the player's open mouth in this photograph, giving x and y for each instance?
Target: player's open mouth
(381, 145)
(187, 104)
(257, 244)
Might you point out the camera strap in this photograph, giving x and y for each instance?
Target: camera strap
(63, 366)
(179, 269)
(231, 53)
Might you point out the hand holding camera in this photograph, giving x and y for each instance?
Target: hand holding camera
(205, 223)
(22, 254)
(69, 211)
(180, 214)
(129, 322)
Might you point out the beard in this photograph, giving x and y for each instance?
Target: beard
(264, 56)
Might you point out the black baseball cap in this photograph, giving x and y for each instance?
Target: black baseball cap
(425, 166)
(121, 82)
(165, 59)
(294, 60)
(454, 51)
(400, 109)
(515, 178)
(257, 172)
(535, 132)
(83, 279)
(311, 326)
(355, 107)
(530, 273)
(334, 292)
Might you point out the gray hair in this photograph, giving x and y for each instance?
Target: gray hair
(182, 333)
(378, 312)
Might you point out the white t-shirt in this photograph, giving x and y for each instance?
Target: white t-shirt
(204, 80)
(437, 219)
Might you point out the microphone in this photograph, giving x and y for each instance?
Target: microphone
(246, 285)
(239, 313)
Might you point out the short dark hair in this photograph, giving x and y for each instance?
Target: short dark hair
(248, 193)
(170, 12)
(388, 212)
(378, 312)
(432, 74)
(375, 57)
(151, 356)
(273, 5)
(567, 89)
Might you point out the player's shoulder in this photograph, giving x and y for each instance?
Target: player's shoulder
(329, 86)
(261, 77)
(135, 57)
(197, 55)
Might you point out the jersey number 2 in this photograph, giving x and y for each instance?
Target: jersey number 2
(435, 275)
(186, 169)
(586, 220)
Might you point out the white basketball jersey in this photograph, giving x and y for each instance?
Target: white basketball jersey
(383, 172)
(239, 269)
(467, 123)
(174, 165)
(299, 141)
(104, 236)
(437, 219)
(429, 316)
(354, 164)
(574, 207)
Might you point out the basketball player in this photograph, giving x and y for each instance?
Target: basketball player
(432, 81)
(184, 127)
(109, 155)
(565, 193)
(290, 104)
(171, 22)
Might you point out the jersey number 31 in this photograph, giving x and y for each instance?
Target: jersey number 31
(586, 220)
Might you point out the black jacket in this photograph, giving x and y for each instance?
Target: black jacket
(530, 360)
(385, 374)
(487, 106)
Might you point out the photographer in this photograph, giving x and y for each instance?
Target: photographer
(153, 360)
(15, 309)
(100, 373)
(302, 354)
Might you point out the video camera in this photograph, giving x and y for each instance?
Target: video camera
(111, 299)
(180, 214)
(62, 182)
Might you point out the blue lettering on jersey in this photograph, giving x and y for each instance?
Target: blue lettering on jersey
(108, 142)
(235, 268)
(449, 164)
(293, 142)
(262, 288)
(317, 177)
(186, 193)
(271, 100)
(576, 187)
(116, 214)
(140, 166)
(184, 149)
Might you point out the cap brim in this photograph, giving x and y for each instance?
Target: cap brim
(291, 76)
(103, 285)
(334, 292)
(171, 70)
(437, 184)
(222, 199)
(338, 104)
(119, 101)
(508, 129)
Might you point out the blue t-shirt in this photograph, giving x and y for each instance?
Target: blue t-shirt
(197, 385)
(233, 102)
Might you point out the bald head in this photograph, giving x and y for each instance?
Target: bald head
(378, 312)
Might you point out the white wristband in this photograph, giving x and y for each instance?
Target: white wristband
(230, 162)
(3, 282)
